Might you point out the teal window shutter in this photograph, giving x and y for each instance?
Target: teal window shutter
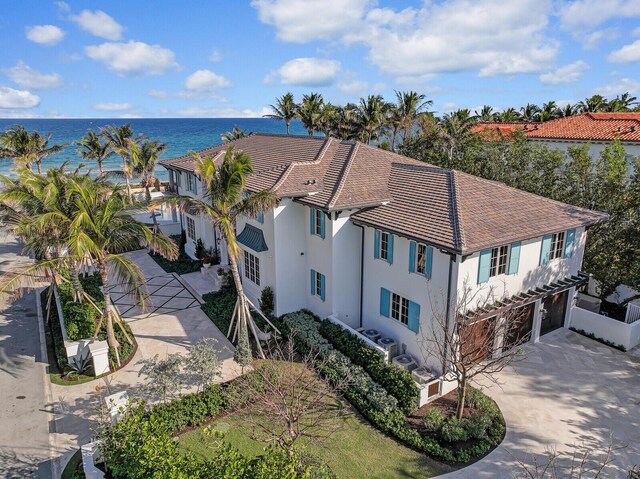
(376, 244)
(322, 220)
(484, 266)
(260, 217)
(412, 256)
(545, 250)
(313, 282)
(312, 222)
(429, 265)
(569, 243)
(514, 259)
(414, 316)
(390, 248)
(385, 299)
(322, 287)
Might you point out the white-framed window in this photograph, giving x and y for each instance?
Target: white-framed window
(191, 228)
(318, 284)
(421, 258)
(189, 182)
(499, 260)
(557, 245)
(179, 179)
(384, 245)
(252, 268)
(399, 308)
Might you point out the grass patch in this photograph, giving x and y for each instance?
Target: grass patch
(356, 450)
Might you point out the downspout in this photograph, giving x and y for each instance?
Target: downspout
(361, 270)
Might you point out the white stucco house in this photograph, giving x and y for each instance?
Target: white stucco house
(376, 240)
(595, 129)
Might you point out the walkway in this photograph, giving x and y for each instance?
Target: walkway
(164, 331)
(24, 443)
(570, 390)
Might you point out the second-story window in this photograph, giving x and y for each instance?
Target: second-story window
(421, 258)
(400, 308)
(316, 222)
(499, 260)
(557, 245)
(384, 245)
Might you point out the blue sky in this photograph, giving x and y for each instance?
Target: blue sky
(193, 58)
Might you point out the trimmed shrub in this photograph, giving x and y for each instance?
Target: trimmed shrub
(453, 430)
(219, 307)
(266, 301)
(394, 379)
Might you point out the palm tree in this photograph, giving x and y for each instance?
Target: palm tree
(487, 113)
(310, 111)
(409, 106)
(224, 201)
(100, 231)
(284, 109)
(455, 131)
(550, 111)
(568, 110)
(510, 115)
(624, 102)
(144, 158)
(91, 147)
(329, 117)
(234, 134)
(531, 112)
(593, 104)
(371, 114)
(27, 148)
(120, 139)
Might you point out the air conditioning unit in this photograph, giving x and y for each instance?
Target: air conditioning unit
(423, 375)
(372, 334)
(405, 361)
(390, 346)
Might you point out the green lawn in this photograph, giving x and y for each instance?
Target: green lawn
(357, 450)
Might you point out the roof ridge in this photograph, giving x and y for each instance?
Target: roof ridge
(343, 174)
(317, 160)
(285, 135)
(458, 227)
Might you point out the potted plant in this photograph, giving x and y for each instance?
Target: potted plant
(206, 261)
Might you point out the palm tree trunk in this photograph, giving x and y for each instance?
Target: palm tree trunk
(39, 167)
(100, 168)
(108, 313)
(243, 352)
(125, 170)
(75, 281)
(288, 123)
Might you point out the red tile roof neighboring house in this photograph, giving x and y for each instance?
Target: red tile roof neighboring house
(584, 127)
(446, 208)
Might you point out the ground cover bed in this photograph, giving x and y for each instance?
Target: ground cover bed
(182, 265)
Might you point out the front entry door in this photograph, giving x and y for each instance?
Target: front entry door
(554, 308)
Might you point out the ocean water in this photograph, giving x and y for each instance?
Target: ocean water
(180, 134)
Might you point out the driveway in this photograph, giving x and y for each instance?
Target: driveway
(570, 390)
(24, 415)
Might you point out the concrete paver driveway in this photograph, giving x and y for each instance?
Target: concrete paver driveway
(569, 391)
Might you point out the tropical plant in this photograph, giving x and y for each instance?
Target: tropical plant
(234, 134)
(225, 199)
(510, 115)
(92, 147)
(454, 132)
(100, 231)
(202, 366)
(530, 112)
(371, 116)
(593, 104)
(486, 113)
(27, 148)
(162, 377)
(409, 106)
(144, 157)
(284, 109)
(120, 139)
(310, 111)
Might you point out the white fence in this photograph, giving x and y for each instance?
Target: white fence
(624, 334)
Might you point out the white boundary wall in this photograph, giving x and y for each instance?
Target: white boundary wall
(628, 335)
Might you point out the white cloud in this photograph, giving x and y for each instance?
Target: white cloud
(301, 21)
(309, 72)
(583, 15)
(591, 40)
(11, 98)
(63, 6)
(45, 34)
(456, 36)
(215, 55)
(205, 80)
(133, 58)
(27, 77)
(354, 88)
(204, 112)
(627, 54)
(566, 74)
(99, 24)
(618, 87)
(112, 106)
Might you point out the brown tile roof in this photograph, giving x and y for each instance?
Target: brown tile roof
(586, 126)
(446, 208)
